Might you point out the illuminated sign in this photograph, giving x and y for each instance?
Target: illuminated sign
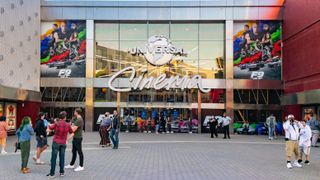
(158, 51)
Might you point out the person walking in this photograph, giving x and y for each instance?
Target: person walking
(128, 122)
(226, 121)
(115, 129)
(77, 127)
(41, 138)
(149, 125)
(163, 123)
(169, 125)
(291, 127)
(59, 144)
(24, 133)
(157, 122)
(305, 142)
(213, 126)
(271, 124)
(104, 133)
(3, 134)
(190, 125)
(314, 125)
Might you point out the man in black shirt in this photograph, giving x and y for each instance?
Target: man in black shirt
(213, 126)
(115, 129)
(255, 35)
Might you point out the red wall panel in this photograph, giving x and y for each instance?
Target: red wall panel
(301, 46)
(301, 54)
(298, 14)
(293, 109)
(27, 108)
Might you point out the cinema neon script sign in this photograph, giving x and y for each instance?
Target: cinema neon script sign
(158, 51)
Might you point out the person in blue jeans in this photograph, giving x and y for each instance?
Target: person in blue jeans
(115, 129)
(59, 144)
(271, 123)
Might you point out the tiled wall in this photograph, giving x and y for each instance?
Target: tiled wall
(19, 44)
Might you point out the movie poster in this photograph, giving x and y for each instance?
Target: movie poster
(63, 49)
(11, 114)
(1, 110)
(257, 50)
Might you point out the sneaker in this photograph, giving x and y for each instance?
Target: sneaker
(34, 158)
(38, 162)
(289, 166)
(127, 131)
(307, 162)
(62, 174)
(69, 167)
(4, 152)
(171, 132)
(51, 176)
(296, 164)
(79, 168)
(167, 132)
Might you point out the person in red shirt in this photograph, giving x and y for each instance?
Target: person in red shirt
(61, 130)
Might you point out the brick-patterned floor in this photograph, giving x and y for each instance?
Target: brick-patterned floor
(173, 157)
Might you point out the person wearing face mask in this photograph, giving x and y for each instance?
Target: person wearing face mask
(291, 127)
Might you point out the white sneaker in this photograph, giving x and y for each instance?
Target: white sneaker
(4, 152)
(38, 162)
(296, 164)
(127, 131)
(69, 167)
(289, 166)
(171, 132)
(167, 132)
(79, 168)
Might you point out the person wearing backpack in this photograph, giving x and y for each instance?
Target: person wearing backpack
(271, 124)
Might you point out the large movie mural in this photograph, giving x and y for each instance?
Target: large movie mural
(257, 50)
(63, 49)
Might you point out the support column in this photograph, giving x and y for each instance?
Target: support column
(89, 120)
(199, 112)
(118, 101)
(229, 71)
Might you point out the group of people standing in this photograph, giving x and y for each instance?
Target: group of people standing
(109, 130)
(41, 129)
(225, 122)
(160, 124)
(298, 141)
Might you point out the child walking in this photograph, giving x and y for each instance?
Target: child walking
(305, 142)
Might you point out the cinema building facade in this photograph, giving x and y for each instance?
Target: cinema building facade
(182, 58)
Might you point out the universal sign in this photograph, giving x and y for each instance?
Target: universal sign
(158, 51)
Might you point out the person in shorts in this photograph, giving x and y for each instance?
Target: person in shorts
(305, 142)
(41, 137)
(291, 127)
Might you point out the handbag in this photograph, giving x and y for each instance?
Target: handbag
(17, 146)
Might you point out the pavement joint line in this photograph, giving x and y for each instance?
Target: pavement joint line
(69, 150)
(163, 142)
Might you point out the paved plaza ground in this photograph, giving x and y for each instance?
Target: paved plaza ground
(173, 157)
